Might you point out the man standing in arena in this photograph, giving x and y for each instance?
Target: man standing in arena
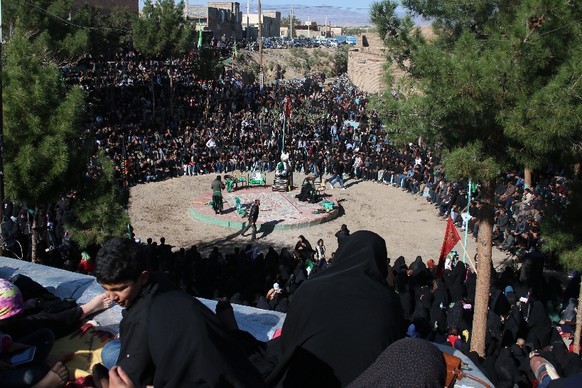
(253, 214)
(217, 186)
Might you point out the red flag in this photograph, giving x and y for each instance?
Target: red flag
(451, 239)
(287, 107)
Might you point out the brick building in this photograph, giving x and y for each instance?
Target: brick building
(271, 24)
(219, 18)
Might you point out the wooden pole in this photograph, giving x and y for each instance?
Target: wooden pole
(260, 45)
(1, 133)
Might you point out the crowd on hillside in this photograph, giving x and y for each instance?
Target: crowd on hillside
(158, 120)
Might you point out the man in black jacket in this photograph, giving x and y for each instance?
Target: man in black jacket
(121, 270)
(217, 186)
(253, 214)
(337, 173)
(168, 338)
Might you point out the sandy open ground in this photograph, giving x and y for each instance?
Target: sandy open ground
(409, 224)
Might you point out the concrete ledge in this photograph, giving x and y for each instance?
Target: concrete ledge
(260, 323)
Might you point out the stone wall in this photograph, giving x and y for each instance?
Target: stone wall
(366, 63)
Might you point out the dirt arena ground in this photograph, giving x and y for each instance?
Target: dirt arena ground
(409, 224)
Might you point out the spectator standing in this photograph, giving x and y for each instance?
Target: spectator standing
(342, 234)
(320, 252)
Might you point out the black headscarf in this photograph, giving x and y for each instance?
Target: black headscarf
(408, 362)
(341, 319)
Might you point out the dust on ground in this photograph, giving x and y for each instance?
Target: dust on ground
(409, 224)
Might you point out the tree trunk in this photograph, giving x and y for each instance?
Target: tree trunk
(578, 330)
(35, 238)
(153, 102)
(484, 249)
(527, 177)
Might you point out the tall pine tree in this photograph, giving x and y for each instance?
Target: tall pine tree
(44, 144)
(479, 89)
(161, 29)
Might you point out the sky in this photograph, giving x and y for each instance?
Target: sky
(336, 12)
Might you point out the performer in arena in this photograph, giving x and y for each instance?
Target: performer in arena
(217, 186)
(252, 214)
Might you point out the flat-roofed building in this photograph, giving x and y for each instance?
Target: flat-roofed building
(271, 24)
(218, 18)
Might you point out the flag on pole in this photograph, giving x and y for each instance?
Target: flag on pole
(199, 35)
(124, 166)
(287, 107)
(451, 239)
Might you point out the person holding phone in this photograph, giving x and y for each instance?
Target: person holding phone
(23, 362)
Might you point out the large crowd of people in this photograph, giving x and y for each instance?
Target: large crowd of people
(157, 119)
(354, 306)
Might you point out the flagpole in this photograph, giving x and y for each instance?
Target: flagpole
(261, 76)
(470, 260)
(1, 129)
(466, 219)
(284, 130)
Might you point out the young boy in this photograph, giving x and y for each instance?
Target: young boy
(121, 270)
(167, 337)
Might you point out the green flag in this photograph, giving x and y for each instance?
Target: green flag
(199, 35)
(309, 266)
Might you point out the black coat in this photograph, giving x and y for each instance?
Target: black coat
(341, 319)
(134, 356)
(191, 347)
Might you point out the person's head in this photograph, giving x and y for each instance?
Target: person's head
(320, 242)
(258, 201)
(520, 342)
(218, 177)
(120, 270)
(430, 264)
(399, 362)
(11, 302)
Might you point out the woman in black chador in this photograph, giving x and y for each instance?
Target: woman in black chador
(341, 319)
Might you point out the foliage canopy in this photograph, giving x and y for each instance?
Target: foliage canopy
(44, 140)
(496, 89)
(162, 30)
